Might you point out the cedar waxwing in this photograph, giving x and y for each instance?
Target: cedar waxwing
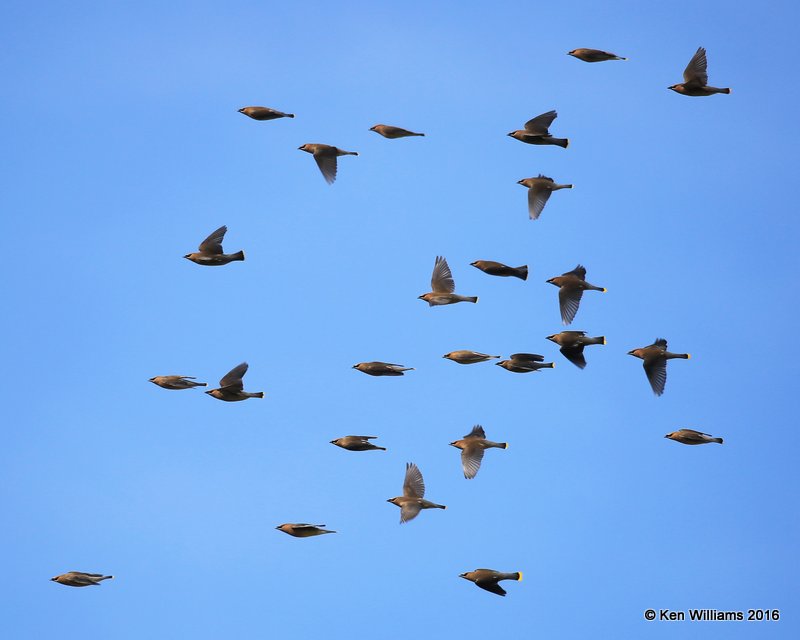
(571, 286)
(381, 368)
(80, 579)
(536, 132)
(472, 447)
(593, 55)
(690, 436)
(493, 268)
(572, 344)
(176, 382)
(326, 155)
(302, 530)
(468, 357)
(231, 387)
(539, 190)
(695, 78)
(264, 113)
(488, 579)
(357, 443)
(388, 131)
(525, 363)
(442, 286)
(209, 252)
(411, 502)
(655, 359)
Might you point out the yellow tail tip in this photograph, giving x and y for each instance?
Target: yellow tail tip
(520, 576)
(688, 356)
(604, 341)
(604, 289)
(506, 447)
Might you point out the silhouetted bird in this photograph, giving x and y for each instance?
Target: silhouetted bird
(525, 363)
(302, 530)
(655, 359)
(468, 357)
(571, 286)
(209, 252)
(695, 78)
(536, 131)
(539, 190)
(472, 447)
(381, 368)
(80, 579)
(572, 344)
(264, 113)
(326, 155)
(499, 269)
(388, 131)
(357, 443)
(231, 387)
(443, 286)
(176, 382)
(412, 501)
(690, 436)
(593, 55)
(488, 578)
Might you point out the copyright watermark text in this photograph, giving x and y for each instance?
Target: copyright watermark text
(712, 615)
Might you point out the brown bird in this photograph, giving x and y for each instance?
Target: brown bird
(488, 579)
(209, 253)
(264, 113)
(231, 387)
(472, 447)
(695, 78)
(80, 579)
(412, 502)
(468, 357)
(655, 359)
(571, 286)
(525, 363)
(357, 443)
(690, 436)
(499, 269)
(326, 155)
(572, 344)
(302, 530)
(176, 382)
(443, 286)
(536, 131)
(539, 190)
(387, 131)
(381, 368)
(593, 55)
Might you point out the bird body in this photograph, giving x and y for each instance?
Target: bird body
(488, 578)
(536, 131)
(231, 387)
(209, 253)
(571, 286)
(80, 579)
(593, 55)
(357, 443)
(695, 78)
(176, 382)
(303, 530)
(325, 156)
(264, 113)
(468, 357)
(413, 499)
(539, 190)
(443, 286)
(690, 436)
(572, 344)
(525, 363)
(388, 131)
(655, 358)
(472, 447)
(381, 368)
(493, 268)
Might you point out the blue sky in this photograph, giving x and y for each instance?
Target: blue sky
(125, 150)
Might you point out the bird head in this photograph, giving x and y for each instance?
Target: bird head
(677, 88)
(636, 353)
(210, 392)
(553, 337)
(303, 148)
(571, 53)
(188, 256)
(392, 500)
(54, 579)
(335, 441)
(669, 435)
(240, 110)
(374, 128)
(153, 380)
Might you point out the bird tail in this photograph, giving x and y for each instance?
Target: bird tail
(472, 298)
(599, 340)
(290, 115)
(619, 58)
(716, 440)
(519, 576)
(200, 384)
(418, 134)
(440, 506)
(522, 272)
(381, 448)
(238, 256)
(561, 142)
(548, 365)
(259, 394)
(726, 90)
(350, 153)
(106, 578)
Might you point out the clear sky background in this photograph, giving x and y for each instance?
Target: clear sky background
(124, 150)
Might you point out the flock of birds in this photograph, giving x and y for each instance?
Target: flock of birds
(571, 286)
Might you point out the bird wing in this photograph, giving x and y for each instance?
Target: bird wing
(527, 357)
(579, 271)
(537, 198)
(539, 124)
(409, 511)
(307, 527)
(695, 72)
(693, 432)
(661, 343)
(656, 370)
(327, 164)
(477, 432)
(471, 461)
(442, 278)
(491, 585)
(213, 243)
(233, 379)
(574, 355)
(569, 300)
(413, 485)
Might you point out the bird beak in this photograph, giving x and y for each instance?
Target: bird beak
(277, 527)
(52, 579)
(497, 364)
(551, 337)
(208, 392)
(668, 435)
(462, 575)
(333, 441)
(452, 444)
(420, 298)
(389, 500)
(509, 134)
(151, 379)
(630, 353)
(519, 181)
